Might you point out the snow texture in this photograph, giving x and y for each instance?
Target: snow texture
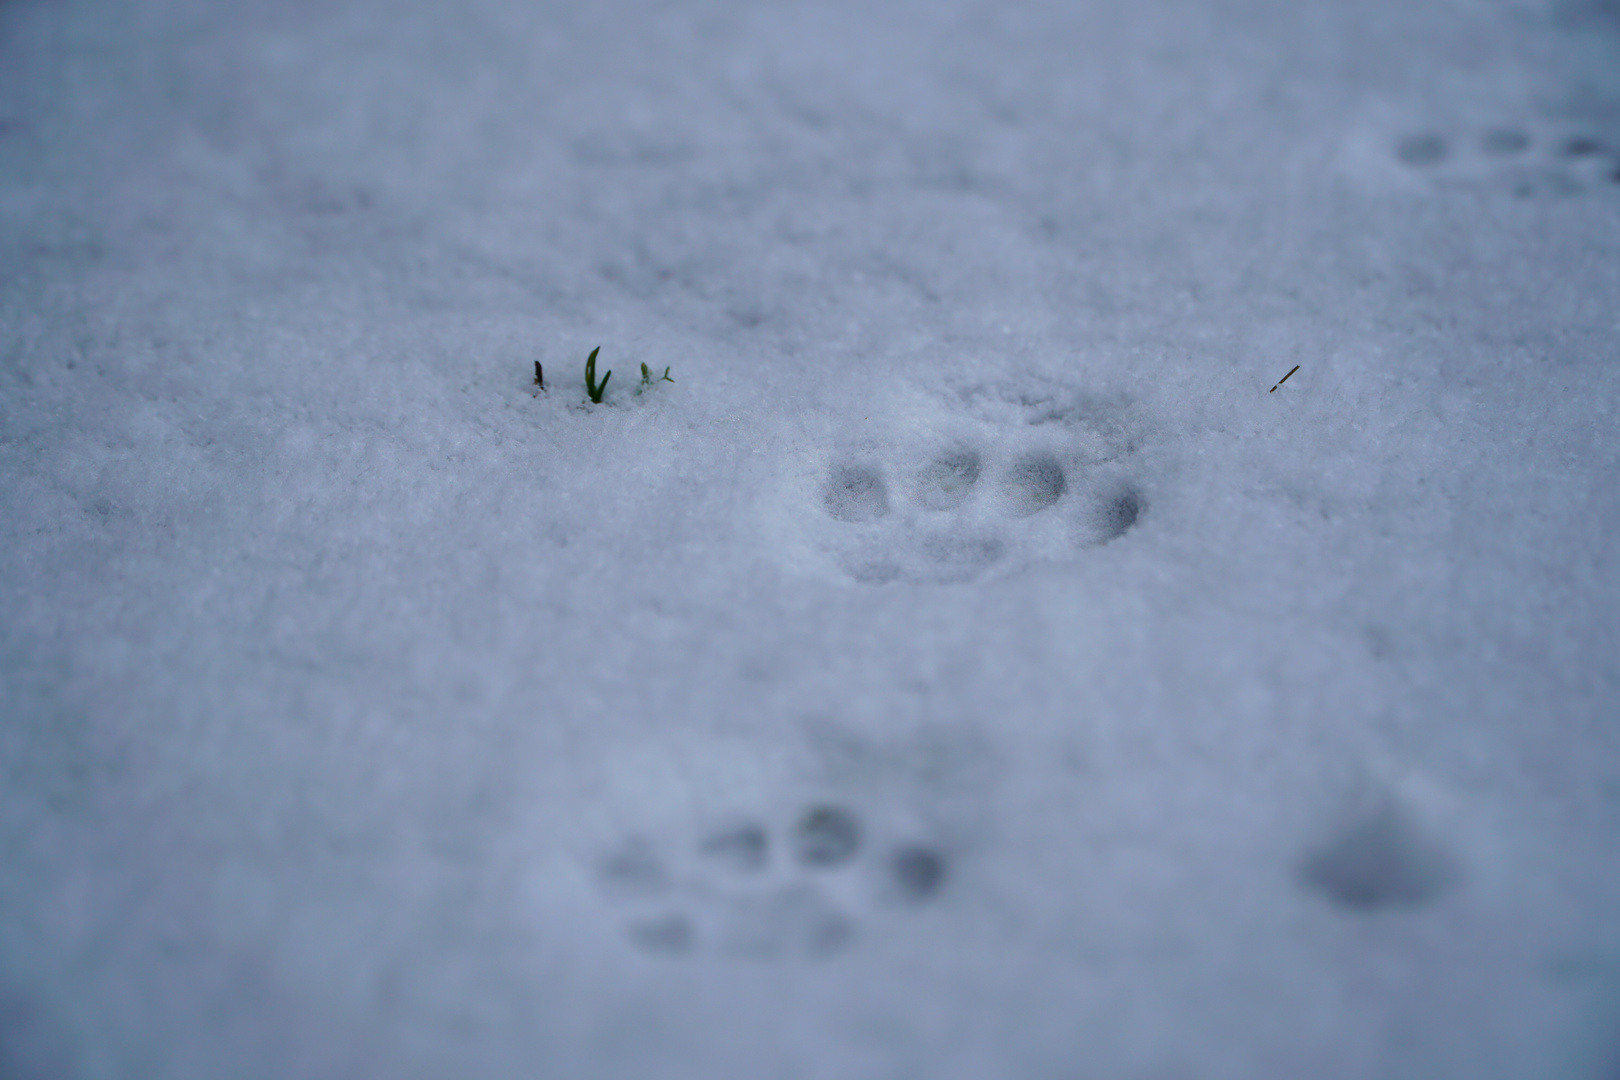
(967, 668)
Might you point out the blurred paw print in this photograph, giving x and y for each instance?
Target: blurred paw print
(1514, 159)
(743, 890)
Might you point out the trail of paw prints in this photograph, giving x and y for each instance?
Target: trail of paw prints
(1031, 479)
(1527, 163)
(743, 890)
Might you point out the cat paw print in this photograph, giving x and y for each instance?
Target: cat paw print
(1030, 477)
(1529, 164)
(741, 889)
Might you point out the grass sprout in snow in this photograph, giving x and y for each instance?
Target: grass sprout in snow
(648, 380)
(592, 387)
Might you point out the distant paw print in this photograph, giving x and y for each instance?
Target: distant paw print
(1383, 861)
(1040, 482)
(732, 893)
(1511, 158)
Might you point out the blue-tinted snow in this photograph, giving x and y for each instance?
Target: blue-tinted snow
(965, 668)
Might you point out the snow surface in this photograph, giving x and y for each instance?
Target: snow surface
(965, 669)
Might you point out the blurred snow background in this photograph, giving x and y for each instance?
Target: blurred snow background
(966, 668)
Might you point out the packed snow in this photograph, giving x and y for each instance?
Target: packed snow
(977, 662)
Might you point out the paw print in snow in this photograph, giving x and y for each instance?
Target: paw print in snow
(1511, 158)
(742, 891)
(1028, 476)
(1383, 861)
(856, 493)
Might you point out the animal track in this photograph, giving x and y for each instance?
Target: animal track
(1513, 159)
(1382, 861)
(1117, 513)
(919, 872)
(1034, 483)
(827, 836)
(947, 481)
(856, 493)
(734, 893)
(1033, 473)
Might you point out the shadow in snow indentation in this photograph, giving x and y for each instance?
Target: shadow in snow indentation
(856, 493)
(1049, 478)
(1382, 861)
(949, 479)
(826, 836)
(1506, 158)
(1034, 483)
(919, 872)
(1117, 515)
(731, 899)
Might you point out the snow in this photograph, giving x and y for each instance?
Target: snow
(966, 668)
